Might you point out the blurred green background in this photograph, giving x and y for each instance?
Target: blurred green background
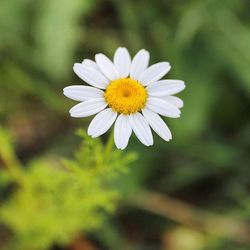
(189, 194)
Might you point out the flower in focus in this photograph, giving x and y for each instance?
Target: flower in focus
(126, 93)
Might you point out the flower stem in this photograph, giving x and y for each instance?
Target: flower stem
(108, 147)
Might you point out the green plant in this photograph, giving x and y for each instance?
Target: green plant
(53, 200)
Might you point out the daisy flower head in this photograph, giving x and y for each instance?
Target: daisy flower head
(126, 93)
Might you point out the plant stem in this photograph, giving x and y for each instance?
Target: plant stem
(8, 158)
(108, 147)
(193, 217)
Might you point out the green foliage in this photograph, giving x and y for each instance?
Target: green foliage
(55, 200)
(207, 162)
(54, 23)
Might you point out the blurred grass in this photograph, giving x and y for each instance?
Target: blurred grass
(208, 44)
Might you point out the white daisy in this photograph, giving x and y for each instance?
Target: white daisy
(127, 93)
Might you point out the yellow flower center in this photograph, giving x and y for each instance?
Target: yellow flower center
(125, 96)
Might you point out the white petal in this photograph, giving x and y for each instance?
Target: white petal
(88, 108)
(122, 131)
(139, 64)
(82, 93)
(165, 87)
(162, 107)
(157, 124)
(102, 122)
(122, 61)
(106, 66)
(141, 128)
(90, 63)
(154, 73)
(176, 101)
(90, 75)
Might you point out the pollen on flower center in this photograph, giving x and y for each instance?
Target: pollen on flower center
(125, 96)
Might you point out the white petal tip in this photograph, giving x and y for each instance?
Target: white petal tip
(76, 65)
(65, 92)
(121, 148)
(98, 55)
(72, 113)
(183, 84)
(178, 114)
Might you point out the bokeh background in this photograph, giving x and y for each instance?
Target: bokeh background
(189, 194)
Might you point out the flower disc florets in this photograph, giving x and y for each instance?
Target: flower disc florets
(126, 96)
